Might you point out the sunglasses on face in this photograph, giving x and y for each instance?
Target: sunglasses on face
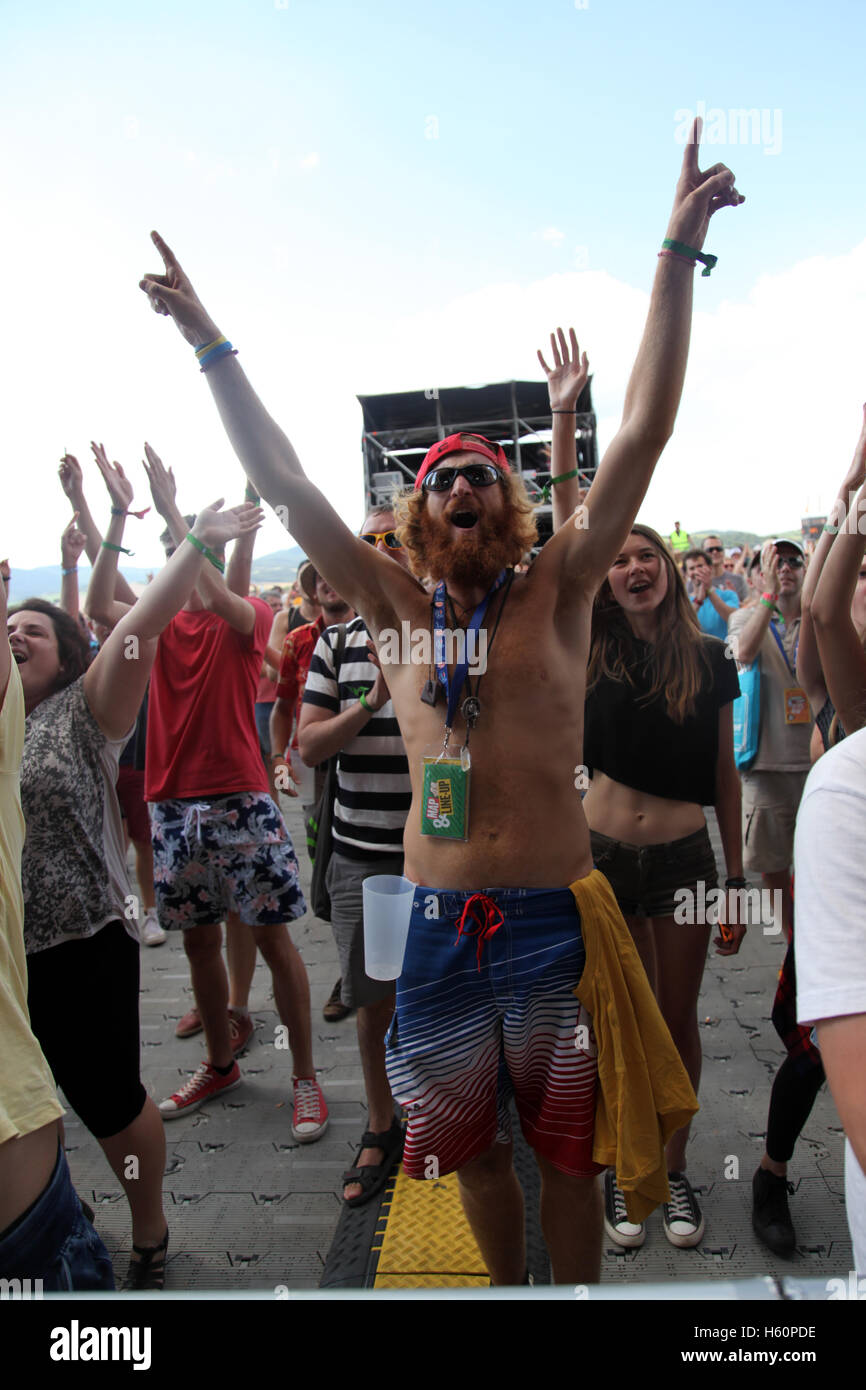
(792, 561)
(389, 537)
(714, 549)
(476, 474)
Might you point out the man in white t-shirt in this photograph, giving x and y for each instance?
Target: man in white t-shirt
(830, 947)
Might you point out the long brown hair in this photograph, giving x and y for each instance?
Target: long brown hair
(676, 662)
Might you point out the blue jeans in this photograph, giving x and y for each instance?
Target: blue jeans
(55, 1242)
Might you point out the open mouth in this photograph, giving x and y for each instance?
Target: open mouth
(463, 520)
(640, 587)
(19, 657)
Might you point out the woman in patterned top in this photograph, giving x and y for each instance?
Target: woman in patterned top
(83, 957)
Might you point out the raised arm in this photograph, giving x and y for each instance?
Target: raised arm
(656, 382)
(211, 586)
(71, 545)
(101, 604)
(72, 482)
(367, 580)
(116, 681)
(749, 640)
(809, 671)
(840, 645)
(565, 381)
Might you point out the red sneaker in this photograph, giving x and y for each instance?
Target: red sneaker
(189, 1025)
(241, 1028)
(203, 1085)
(310, 1112)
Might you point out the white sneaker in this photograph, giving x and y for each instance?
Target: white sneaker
(152, 933)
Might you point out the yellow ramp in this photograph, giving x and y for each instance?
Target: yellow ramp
(424, 1240)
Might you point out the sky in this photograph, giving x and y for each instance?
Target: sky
(413, 197)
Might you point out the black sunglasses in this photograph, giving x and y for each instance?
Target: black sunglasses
(714, 549)
(389, 537)
(476, 474)
(792, 561)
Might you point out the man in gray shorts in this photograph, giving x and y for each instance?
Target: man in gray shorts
(768, 632)
(349, 711)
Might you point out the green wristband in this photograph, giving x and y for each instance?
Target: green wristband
(680, 248)
(121, 549)
(560, 478)
(214, 559)
(362, 699)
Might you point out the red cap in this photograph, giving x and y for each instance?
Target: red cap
(462, 444)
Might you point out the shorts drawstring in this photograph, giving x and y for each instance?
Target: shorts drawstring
(484, 912)
(194, 813)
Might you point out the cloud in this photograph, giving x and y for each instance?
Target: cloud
(310, 161)
(770, 413)
(552, 234)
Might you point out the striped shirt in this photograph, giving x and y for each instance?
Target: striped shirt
(373, 787)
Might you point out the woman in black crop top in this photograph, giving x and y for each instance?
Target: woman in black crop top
(658, 742)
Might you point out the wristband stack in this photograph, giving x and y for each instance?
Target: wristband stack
(209, 353)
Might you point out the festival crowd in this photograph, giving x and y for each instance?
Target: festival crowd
(558, 937)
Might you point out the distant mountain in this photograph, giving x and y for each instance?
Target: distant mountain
(44, 581)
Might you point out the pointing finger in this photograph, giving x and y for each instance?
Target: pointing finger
(690, 157)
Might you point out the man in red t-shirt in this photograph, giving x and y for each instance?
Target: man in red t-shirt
(297, 654)
(220, 843)
(298, 649)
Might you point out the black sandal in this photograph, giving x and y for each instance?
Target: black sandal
(374, 1176)
(148, 1272)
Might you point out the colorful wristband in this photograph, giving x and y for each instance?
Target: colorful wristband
(214, 353)
(73, 569)
(121, 549)
(362, 699)
(679, 248)
(736, 882)
(208, 554)
(204, 348)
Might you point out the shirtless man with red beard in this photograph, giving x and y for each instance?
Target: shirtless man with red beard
(490, 975)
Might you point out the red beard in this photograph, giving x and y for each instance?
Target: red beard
(476, 556)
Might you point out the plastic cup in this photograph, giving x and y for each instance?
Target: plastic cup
(387, 912)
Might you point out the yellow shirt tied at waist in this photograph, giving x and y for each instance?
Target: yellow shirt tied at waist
(644, 1094)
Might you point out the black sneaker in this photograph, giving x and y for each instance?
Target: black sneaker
(771, 1219)
(628, 1234)
(683, 1221)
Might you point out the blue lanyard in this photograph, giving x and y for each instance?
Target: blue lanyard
(793, 673)
(453, 690)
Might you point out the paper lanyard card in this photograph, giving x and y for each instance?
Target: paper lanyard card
(796, 706)
(445, 799)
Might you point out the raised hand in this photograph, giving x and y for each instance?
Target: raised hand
(120, 488)
(71, 478)
(770, 568)
(569, 374)
(163, 488)
(699, 194)
(215, 528)
(72, 542)
(172, 294)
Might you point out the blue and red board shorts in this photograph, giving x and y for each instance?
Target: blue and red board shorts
(486, 1010)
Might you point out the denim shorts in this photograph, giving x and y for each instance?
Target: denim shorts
(645, 878)
(55, 1242)
(487, 1010)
